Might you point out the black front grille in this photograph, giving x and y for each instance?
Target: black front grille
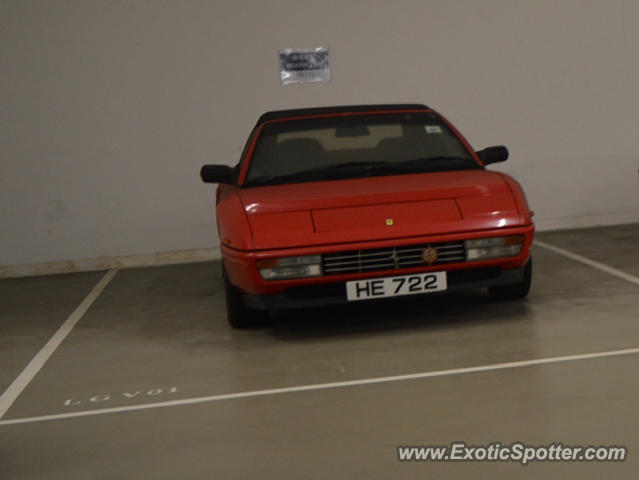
(391, 258)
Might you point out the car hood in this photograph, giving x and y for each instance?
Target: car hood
(364, 209)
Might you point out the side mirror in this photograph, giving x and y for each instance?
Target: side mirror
(493, 155)
(218, 174)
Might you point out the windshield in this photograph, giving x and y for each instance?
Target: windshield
(355, 146)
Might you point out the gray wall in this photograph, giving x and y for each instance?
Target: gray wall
(109, 108)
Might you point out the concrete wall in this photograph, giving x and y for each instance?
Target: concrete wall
(109, 108)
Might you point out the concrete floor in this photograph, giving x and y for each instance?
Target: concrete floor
(160, 334)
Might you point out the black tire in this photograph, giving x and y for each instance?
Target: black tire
(514, 291)
(238, 314)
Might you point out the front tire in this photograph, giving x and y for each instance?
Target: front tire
(238, 314)
(514, 291)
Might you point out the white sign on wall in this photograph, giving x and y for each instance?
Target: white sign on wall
(304, 65)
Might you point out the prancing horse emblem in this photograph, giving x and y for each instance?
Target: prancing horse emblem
(429, 255)
(390, 222)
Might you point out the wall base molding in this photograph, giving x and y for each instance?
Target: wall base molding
(587, 221)
(107, 263)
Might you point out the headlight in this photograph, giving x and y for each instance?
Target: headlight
(494, 247)
(290, 267)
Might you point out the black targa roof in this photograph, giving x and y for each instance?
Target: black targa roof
(303, 112)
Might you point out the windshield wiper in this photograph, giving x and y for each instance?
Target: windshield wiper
(324, 172)
(340, 171)
(433, 164)
(268, 180)
(365, 165)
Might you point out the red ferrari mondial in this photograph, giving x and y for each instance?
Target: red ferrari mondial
(347, 204)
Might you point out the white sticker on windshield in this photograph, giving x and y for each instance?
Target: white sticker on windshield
(433, 129)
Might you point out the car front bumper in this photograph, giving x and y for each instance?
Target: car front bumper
(335, 293)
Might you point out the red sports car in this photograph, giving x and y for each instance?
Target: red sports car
(346, 204)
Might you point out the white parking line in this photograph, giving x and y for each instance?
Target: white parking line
(599, 266)
(20, 383)
(323, 386)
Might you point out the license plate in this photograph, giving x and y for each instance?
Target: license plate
(396, 286)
